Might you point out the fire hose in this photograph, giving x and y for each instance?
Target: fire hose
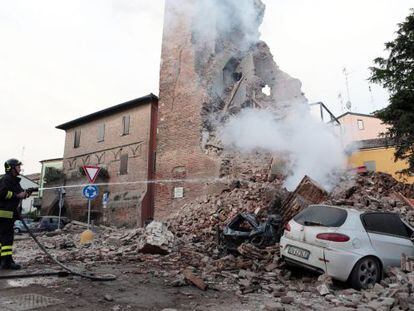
(68, 271)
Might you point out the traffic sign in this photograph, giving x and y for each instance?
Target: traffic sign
(91, 172)
(90, 192)
(105, 197)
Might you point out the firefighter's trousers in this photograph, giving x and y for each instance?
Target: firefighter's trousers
(6, 238)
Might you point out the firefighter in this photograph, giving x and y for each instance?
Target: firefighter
(10, 195)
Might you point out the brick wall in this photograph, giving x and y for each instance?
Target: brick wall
(124, 208)
(179, 152)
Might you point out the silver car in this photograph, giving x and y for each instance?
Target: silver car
(19, 227)
(347, 244)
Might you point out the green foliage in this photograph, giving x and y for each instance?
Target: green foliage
(53, 174)
(396, 74)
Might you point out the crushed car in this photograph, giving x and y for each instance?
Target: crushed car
(245, 227)
(346, 244)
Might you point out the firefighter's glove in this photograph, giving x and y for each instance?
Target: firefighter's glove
(22, 195)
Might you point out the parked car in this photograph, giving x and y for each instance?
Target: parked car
(19, 227)
(50, 223)
(347, 244)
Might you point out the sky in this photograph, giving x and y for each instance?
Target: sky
(62, 59)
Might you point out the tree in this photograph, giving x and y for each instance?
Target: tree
(396, 74)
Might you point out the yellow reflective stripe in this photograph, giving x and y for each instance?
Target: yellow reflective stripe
(6, 214)
(9, 195)
(6, 253)
(4, 248)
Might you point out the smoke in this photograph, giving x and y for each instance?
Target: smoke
(225, 17)
(311, 146)
(211, 19)
(226, 29)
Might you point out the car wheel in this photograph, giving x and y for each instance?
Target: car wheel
(365, 273)
(16, 230)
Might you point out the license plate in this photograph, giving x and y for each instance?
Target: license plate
(299, 252)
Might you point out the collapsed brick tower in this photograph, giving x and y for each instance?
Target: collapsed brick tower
(213, 66)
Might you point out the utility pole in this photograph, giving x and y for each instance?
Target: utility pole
(61, 192)
(341, 101)
(346, 74)
(372, 98)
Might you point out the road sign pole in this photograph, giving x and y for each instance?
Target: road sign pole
(60, 205)
(89, 212)
(90, 192)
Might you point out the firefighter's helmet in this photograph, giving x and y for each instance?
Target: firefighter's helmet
(10, 164)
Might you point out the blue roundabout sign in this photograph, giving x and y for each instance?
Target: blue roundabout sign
(90, 192)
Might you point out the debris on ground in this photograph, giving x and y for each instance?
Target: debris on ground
(407, 263)
(188, 248)
(157, 239)
(307, 192)
(195, 280)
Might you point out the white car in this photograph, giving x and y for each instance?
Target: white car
(347, 244)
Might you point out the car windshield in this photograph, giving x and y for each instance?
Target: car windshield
(321, 215)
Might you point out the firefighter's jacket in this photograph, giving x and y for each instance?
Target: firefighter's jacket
(9, 188)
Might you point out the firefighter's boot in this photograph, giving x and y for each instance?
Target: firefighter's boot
(7, 263)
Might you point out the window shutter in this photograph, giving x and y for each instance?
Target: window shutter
(125, 125)
(76, 142)
(101, 132)
(123, 167)
(360, 124)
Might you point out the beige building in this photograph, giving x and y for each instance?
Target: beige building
(358, 127)
(361, 135)
(121, 141)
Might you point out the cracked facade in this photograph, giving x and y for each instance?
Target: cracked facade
(212, 67)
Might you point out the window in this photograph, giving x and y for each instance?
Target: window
(76, 141)
(101, 132)
(370, 165)
(125, 125)
(123, 167)
(360, 124)
(178, 192)
(385, 223)
(325, 215)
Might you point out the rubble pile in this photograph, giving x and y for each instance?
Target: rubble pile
(200, 222)
(187, 249)
(204, 219)
(375, 191)
(306, 193)
(109, 245)
(157, 239)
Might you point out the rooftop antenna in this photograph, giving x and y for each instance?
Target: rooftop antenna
(348, 103)
(372, 98)
(341, 100)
